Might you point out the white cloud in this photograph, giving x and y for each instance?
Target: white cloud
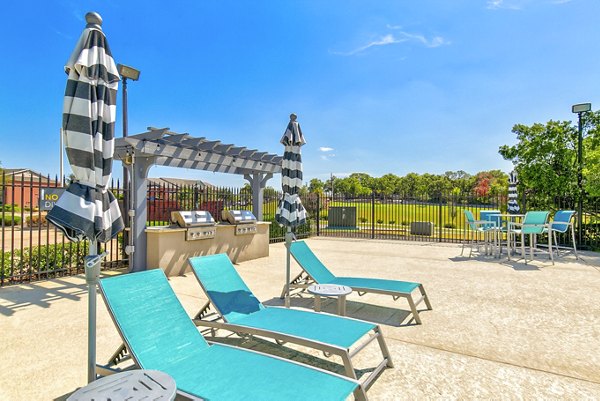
(382, 41)
(397, 37)
(502, 4)
(325, 149)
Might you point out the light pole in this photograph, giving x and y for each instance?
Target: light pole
(126, 72)
(580, 109)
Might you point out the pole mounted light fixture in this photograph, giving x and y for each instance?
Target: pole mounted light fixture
(579, 109)
(128, 72)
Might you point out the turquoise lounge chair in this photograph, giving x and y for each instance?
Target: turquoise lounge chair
(159, 335)
(241, 312)
(314, 270)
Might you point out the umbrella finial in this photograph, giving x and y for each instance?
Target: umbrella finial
(293, 117)
(93, 19)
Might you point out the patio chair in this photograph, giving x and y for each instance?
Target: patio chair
(486, 227)
(534, 224)
(160, 335)
(561, 224)
(315, 271)
(240, 311)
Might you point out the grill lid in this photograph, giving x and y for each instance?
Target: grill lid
(192, 218)
(238, 216)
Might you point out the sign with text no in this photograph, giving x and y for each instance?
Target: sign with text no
(49, 196)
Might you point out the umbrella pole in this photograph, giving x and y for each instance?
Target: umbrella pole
(288, 243)
(92, 274)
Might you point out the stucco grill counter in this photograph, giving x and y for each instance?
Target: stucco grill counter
(195, 233)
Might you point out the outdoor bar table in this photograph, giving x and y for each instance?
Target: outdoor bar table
(510, 218)
(131, 385)
(330, 290)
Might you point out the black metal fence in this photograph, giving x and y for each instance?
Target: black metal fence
(429, 217)
(33, 249)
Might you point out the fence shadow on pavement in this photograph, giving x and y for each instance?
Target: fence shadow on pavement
(41, 294)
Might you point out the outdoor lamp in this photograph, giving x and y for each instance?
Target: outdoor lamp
(128, 72)
(579, 109)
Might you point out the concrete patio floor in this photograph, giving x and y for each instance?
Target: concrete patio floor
(498, 330)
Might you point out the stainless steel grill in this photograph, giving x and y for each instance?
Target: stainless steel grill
(244, 221)
(199, 223)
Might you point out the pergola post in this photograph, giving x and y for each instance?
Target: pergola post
(258, 182)
(141, 166)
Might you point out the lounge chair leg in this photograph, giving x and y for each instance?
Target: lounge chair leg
(425, 297)
(574, 244)
(348, 366)
(413, 308)
(360, 394)
(384, 349)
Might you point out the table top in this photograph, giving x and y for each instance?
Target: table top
(131, 385)
(329, 290)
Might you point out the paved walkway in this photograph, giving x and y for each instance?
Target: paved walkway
(499, 329)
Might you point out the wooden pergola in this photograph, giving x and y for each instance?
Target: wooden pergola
(161, 147)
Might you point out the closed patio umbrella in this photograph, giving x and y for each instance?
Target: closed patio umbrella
(291, 212)
(513, 205)
(87, 209)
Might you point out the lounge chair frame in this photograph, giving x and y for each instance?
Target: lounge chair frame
(304, 279)
(124, 353)
(201, 319)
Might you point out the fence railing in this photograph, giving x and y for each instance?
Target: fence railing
(428, 217)
(32, 249)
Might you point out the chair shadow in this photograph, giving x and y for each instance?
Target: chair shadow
(282, 351)
(354, 309)
(515, 263)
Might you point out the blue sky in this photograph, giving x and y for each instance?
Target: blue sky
(379, 87)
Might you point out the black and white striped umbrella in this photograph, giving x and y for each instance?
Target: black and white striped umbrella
(291, 212)
(513, 205)
(87, 209)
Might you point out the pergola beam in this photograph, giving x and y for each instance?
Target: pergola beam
(160, 146)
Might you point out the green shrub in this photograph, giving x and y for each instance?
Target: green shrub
(10, 220)
(379, 221)
(44, 258)
(392, 222)
(405, 223)
(449, 225)
(363, 219)
(10, 208)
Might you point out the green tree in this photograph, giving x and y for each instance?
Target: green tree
(545, 160)
(316, 186)
(388, 184)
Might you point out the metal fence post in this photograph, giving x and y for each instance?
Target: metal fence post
(440, 222)
(372, 215)
(318, 215)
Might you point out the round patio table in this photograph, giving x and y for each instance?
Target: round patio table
(330, 290)
(130, 385)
